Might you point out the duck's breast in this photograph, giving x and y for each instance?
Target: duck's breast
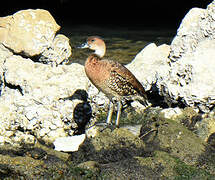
(98, 71)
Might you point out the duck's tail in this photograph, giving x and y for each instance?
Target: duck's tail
(142, 100)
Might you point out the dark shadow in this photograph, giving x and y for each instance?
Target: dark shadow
(156, 99)
(34, 58)
(13, 86)
(6, 171)
(82, 112)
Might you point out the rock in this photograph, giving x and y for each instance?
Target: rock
(58, 52)
(38, 101)
(188, 81)
(171, 113)
(150, 61)
(90, 165)
(188, 34)
(69, 144)
(31, 98)
(28, 31)
(181, 74)
(148, 64)
(134, 129)
(32, 33)
(206, 127)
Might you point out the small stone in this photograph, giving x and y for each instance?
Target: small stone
(32, 123)
(92, 132)
(53, 127)
(69, 144)
(90, 165)
(171, 113)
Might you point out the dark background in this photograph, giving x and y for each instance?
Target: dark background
(139, 14)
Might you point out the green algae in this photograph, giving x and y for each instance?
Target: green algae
(128, 117)
(184, 171)
(165, 149)
(172, 168)
(168, 146)
(189, 117)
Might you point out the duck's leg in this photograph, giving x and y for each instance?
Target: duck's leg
(110, 112)
(119, 108)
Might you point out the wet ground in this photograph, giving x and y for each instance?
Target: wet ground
(123, 44)
(164, 150)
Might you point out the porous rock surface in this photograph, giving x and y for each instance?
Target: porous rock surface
(190, 75)
(182, 73)
(32, 103)
(32, 33)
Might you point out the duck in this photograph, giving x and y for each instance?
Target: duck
(112, 78)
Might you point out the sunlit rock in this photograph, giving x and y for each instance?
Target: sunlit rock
(69, 144)
(32, 33)
(150, 61)
(58, 52)
(28, 31)
(190, 78)
(182, 74)
(32, 98)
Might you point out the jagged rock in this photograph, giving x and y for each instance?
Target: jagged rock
(28, 31)
(32, 33)
(59, 52)
(189, 78)
(182, 74)
(34, 99)
(30, 100)
(147, 65)
(188, 34)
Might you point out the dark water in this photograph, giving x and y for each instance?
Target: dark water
(122, 43)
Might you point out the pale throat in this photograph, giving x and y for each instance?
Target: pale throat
(100, 52)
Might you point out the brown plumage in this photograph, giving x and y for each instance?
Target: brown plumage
(112, 78)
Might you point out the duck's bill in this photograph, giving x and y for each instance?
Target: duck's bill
(84, 45)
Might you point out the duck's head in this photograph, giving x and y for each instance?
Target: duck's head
(97, 44)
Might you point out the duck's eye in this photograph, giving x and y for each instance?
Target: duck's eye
(92, 40)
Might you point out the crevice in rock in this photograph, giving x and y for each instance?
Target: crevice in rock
(12, 86)
(34, 58)
(156, 99)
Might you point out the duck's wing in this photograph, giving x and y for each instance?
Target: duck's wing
(124, 81)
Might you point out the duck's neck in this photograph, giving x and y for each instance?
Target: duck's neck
(93, 59)
(100, 52)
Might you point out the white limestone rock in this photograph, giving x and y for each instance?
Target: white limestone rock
(69, 144)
